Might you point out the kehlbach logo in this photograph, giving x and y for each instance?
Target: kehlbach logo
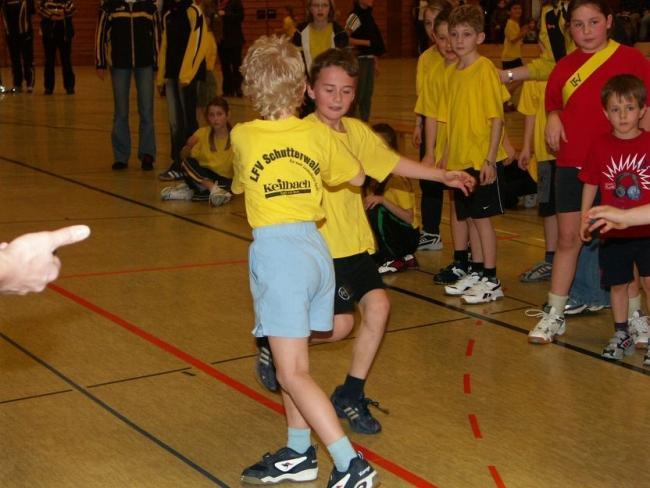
(283, 187)
(627, 178)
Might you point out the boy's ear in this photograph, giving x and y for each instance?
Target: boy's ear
(606, 114)
(310, 92)
(642, 113)
(481, 38)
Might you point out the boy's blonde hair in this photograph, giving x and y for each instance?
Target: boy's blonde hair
(274, 76)
(471, 15)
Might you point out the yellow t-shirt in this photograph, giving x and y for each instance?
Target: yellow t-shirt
(288, 26)
(429, 103)
(531, 102)
(320, 40)
(511, 49)
(282, 164)
(399, 191)
(471, 97)
(220, 160)
(346, 229)
(540, 68)
(428, 61)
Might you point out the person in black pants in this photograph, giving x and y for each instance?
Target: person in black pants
(17, 16)
(58, 31)
(230, 47)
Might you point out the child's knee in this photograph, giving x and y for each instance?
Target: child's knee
(376, 306)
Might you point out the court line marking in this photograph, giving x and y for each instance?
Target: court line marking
(473, 422)
(116, 414)
(497, 478)
(206, 368)
(31, 397)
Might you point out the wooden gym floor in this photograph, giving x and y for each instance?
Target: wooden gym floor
(135, 369)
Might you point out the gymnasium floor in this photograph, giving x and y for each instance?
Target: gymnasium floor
(135, 369)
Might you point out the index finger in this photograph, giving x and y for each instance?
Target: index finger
(68, 235)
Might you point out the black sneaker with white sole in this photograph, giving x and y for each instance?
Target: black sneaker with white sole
(264, 367)
(283, 465)
(450, 275)
(358, 475)
(356, 412)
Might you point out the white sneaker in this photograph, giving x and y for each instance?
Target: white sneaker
(219, 196)
(178, 192)
(429, 242)
(530, 200)
(484, 291)
(646, 359)
(550, 326)
(638, 328)
(619, 346)
(463, 284)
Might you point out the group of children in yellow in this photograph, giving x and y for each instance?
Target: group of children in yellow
(311, 262)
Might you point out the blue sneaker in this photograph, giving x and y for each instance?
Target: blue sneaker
(284, 465)
(358, 475)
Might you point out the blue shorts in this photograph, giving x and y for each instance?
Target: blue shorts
(292, 281)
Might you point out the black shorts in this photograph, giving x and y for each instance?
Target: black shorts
(546, 188)
(355, 276)
(483, 202)
(568, 190)
(194, 173)
(513, 63)
(617, 258)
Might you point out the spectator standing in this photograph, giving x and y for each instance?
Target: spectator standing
(17, 16)
(57, 30)
(230, 46)
(126, 41)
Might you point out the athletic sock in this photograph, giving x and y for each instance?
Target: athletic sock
(342, 453)
(548, 256)
(620, 327)
(299, 439)
(633, 305)
(477, 268)
(263, 342)
(461, 258)
(491, 274)
(353, 387)
(557, 302)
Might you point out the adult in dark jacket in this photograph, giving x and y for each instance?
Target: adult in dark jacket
(126, 41)
(17, 17)
(58, 31)
(230, 45)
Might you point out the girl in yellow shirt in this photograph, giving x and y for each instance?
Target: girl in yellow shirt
(206, 163)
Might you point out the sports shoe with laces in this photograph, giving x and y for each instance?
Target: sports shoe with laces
(357, 413)
(358, 475)
(449, 275)
(550, 325)
(619, 346)
(392, 266)
(483, 291)
(539, 272)
(178, 192)
(429, 242)
(171, 174)
(201, 195)
(638, 329)
(219, 196)
(463, 284)
(646, 358)
(411, 261)
(265, 369)
(283, 465)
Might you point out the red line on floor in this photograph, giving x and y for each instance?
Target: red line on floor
(497, 479)
(470, 348)
(479, 322)
(467, 386)
(372, 456)
(151, 270)
(473, 421)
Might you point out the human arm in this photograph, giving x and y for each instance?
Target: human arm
(101, 38)
(187, 148)
(431, 132)
(554, 131)
(525, 153)
(606, 218)
(455, 179)
(588, 195)
(371, 201)
(28, 263)
(488, 173)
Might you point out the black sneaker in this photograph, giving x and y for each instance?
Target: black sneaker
(449, 275)
(146, 163)
(265, 369)
(359, 475)
(119, 165)
(357, 413)
(284, 465)
(201, 195)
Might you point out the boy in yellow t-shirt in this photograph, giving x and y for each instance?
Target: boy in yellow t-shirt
(513, 39)
(281, 162)
(472, 110)
(534, 150)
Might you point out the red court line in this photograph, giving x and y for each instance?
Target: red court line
(470, 348)
(151, 270)
(467, 386)
(479, 322)
(389, 466)
(473, 421)
(497, 479)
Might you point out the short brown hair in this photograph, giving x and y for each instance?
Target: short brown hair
(627, 87)
(441, 18)
(274, 76)
(471, 15)
(343, 58)
(602, 5)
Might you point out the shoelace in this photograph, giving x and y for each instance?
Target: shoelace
(369, 402)
(534, 312)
